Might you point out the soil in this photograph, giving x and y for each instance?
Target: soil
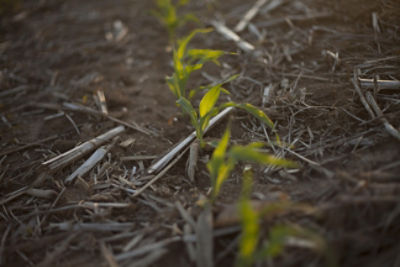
(55, 51)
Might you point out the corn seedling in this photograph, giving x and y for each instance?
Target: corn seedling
(250, 223)
(281, 236)
(250, 250)
(223, 160)
(167, 14)
(186, 61)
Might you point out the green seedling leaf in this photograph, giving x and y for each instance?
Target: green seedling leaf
(205, 55)
(278, 236)
(223, 174)
(205, 120)
(250, 224)
(209, 100)
(181, 52)
(217, 166)
(190, 68)
(220, 150)
(182, 2)
(173, 86)
(250, 232)
(251, 154)
(193, 92)
(256, 112)
(188, 108)
(167, 14)
(190, 17)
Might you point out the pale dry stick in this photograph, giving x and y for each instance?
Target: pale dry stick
(149, 259)
(353, 116)
(101, 101)
(191, 250)
(41, 193)
(271, 6)
(374, 62)
(24, 257)
(3, 173)
(267, 94)
(66, 158)
(37, 143)
(2, 160)
(133, 242)
(5, 121)
(312, 163)
(185, 215)
(162, 201)
(204, 238)
(269, 168)
(53, 256)
(250, 14)
(14, 195)
(268, 139)
(138, 157)
(156, 167)
(3, 243)
(304, 76)
(54, 116)
(95, 205)
(231, 35)
(118, 237)
(132, 125)
(108, 255)
(152, 205)
(188, 228)
(360, 94)
(95, 158)
(191, 164)
(334, 142)
(159, 175)
(390, 166)
(389, 128)
(377, 30)
(13, 91)
(274, 22)
(367, 200)
(95, 227)
(381, 84)
(52, 206)
(229, 248)
(148, 248)
(69, 118)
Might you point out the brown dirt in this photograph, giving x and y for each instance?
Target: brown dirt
(56, 51)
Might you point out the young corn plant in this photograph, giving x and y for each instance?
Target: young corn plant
(250, 223)
(223, 160)
(250, 249)
(185, 62)
(167, 14)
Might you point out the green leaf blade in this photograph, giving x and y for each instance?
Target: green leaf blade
(249, 153)
(209, 100)
(256, 112)
(188, 108)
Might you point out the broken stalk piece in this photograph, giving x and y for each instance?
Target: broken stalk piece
(90, 162)
(156, 167)
(76, 153)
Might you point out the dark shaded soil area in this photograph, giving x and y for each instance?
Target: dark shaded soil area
(314, 55)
